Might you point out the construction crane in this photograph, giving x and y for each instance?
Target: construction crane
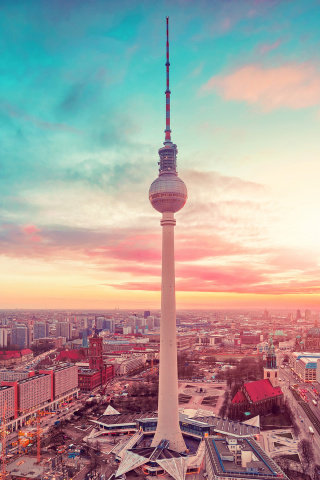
(4, 443)
(38, 439)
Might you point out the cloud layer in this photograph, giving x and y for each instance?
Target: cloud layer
(82, 114)
(291, 86)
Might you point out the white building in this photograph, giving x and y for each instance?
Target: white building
(123, 365)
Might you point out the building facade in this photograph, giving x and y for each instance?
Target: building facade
(40, 330)
(20, 336)
(3, 337)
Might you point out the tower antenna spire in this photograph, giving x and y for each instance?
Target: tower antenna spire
(168, 129)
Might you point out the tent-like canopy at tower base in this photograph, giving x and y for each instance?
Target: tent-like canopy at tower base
(111, 411)
(129, 462)
(254, 421)
(176, 467)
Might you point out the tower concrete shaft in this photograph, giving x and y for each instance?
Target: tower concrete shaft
(168, 407)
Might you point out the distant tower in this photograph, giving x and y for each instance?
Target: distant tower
(168, 195)
(271, 371)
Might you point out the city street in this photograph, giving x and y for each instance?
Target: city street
(288, 379)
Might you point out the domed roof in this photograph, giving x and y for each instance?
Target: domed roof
(279, 333)
(168, 193)
(314, 332)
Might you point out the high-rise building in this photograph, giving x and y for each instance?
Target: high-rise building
(63, 329)
(64, 379)
(109, 324)
(84, 339)
(168, 195)
(150, 323)
(3, 337)
(20, 336)
(7, 401)
(146, 313)
(40, 330)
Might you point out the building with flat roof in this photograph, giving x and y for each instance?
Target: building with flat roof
(196, 427)
(33, 391)
(64, 379)
(306, 368)
(13, 375)
(299, 367)
(7, 399)
(3, 337)
(40, 330)
(20, 336)
(238, 459)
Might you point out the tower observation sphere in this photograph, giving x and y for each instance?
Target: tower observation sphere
(168, 193)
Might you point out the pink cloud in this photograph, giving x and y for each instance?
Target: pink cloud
(292, 86)
(225, 266)
(31, 231)
(268, 47)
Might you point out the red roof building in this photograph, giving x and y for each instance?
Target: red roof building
(72, 355)
(257, 397)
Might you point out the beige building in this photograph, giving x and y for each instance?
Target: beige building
(7, 401)
(34, 391)
(64, 378)
(307, 369)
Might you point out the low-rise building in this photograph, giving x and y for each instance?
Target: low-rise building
(233, 458)
(90, 379)
(306, 368)
(300, 367)
(125, 365)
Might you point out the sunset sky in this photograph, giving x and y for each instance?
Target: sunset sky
(82, 115)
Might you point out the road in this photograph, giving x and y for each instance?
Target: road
(288, 379)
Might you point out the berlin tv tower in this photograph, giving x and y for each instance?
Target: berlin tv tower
(168, 194)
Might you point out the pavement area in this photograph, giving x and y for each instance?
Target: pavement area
(272, 437)
(209, 389)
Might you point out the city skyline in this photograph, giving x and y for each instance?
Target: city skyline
(81, 113)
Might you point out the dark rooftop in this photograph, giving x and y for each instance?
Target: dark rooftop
(124, 418)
